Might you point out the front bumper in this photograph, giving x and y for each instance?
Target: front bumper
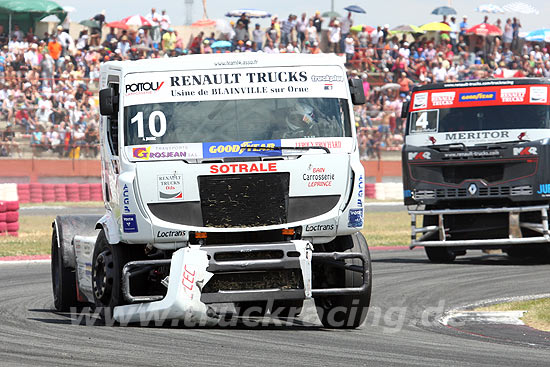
(192, 268)
(514, 225)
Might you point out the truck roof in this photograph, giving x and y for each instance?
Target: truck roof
(483, 83)
(225, 61)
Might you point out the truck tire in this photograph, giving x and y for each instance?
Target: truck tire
(107, 263)
(63, 278)
(349, 311)
(440, 254)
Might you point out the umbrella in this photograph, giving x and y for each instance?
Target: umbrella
(540, 35)
(117, 24)
(484, 29)
(90, 23)
(443, 10)
(221, 44)
(519, 7)
(136, 20)
(390, 86)
(251, 13)
(436, 27)
(406, 28)
(331, 14)
(204, 23)
(359, 28)
(355, 9)
(489, 8)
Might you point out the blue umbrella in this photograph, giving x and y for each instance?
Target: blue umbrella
(355, 9)
(540, 35)
(444, 10)
(221, 44)
(489, 8)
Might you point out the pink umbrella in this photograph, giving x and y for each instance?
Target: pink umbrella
(484, 29)
(117, 24)
(136, 20)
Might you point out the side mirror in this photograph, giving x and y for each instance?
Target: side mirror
(107, 102)
(405, 109)
(357, 92)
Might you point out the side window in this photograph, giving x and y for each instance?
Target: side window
(112, 124)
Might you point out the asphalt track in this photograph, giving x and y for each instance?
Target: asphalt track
(408, 291)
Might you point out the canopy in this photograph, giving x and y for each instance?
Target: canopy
(443, 10)
(26, 13)
(359, 28)
(489, 8)
(251, 13)
(484, 29)
(540, 35)
(355, 9)
(406, 28)
(436, 26)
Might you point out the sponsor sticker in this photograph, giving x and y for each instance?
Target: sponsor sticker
(170, 234)
(512, 94)
(355, 219)
(443, 98)
(420, 100)
(319, 227)
(419, 156)
(407, 194)
(525, 151)
(244, 167)
(125, 199)
(544, 190)
(477, 96)
(166, 152)
(538, 94)
(251, 148)
(318, 176)
(143, 87)
(129, 223)
(170, 187)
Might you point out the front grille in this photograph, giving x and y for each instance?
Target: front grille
(253, 200)
(496, 191)
(486, 172)
(271, 279)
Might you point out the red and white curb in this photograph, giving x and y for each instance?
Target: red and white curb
(24, 259)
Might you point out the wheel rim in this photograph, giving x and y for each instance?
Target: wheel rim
(102, 276)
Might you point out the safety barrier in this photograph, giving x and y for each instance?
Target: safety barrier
(44, 192)
(9, 210)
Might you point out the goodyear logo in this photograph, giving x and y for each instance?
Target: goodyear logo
(251, 148)
(477, 96)
(141, 152)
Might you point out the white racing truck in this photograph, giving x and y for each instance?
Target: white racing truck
(226, 179)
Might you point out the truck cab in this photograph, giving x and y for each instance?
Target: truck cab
(474, 167)
(243, 168)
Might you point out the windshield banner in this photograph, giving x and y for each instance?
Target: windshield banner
(470, 138)
(251, 148)
(480, 96)
(231, 84)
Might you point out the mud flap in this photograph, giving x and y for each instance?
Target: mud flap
(188, 276)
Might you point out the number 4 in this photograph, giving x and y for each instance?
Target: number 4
(422, 121)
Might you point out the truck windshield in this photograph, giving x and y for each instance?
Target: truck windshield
(234, 120)
(480, 118)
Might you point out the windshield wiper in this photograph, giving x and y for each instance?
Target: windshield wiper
(447, 147)
(290, 148)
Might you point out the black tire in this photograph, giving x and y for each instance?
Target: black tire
(107, 263)
(354, 307)
(63, 278)
(440, 254)
(286, 309)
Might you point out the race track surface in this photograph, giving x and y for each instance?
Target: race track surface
(408, 291)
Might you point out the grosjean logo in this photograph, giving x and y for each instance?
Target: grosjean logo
(141, 152)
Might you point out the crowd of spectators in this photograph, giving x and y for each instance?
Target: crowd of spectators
(47, 81)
